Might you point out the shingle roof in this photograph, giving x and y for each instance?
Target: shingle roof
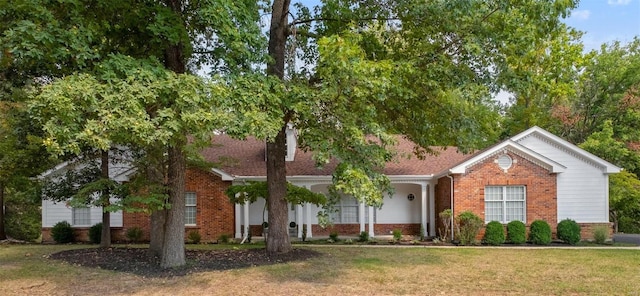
(247, 158)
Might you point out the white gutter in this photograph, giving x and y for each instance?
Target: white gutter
(452, 212)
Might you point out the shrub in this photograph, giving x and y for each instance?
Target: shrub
(62, 232)
(397, 235)
(445, 217)
(364, 237)
(468, 225)
(304, 232)
(194, 237)
(540, 233)
(516, 232)
(334, 236)
(601, 234)
(23, 218)
(224, 239)
(95, 233)
(134, 234)
(569, 231)
(494, 233)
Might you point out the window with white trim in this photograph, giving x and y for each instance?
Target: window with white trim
(347, 211)
(505, 203)
(81, 216)
(190, 208)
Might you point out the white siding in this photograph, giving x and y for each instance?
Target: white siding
(582, 187)
(53, 213)
(400, 209)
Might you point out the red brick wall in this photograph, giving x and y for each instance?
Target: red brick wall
(541, 188)
(442, 199)
(214, 216)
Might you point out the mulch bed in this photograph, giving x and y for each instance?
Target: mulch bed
(138, 261)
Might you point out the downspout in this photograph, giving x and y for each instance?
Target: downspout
(451, 194)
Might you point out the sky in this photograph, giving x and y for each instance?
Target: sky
(605, 21)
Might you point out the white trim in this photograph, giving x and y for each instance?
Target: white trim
(224, 176)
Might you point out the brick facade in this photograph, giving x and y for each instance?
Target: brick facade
(540, 184)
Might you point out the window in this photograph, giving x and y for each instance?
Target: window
(81, 216)
(190, 208)
(504, 203)
(347, 211)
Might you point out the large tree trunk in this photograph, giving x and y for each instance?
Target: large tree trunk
(3, 234)
(155, 173)
(173, 253)
(105, 238)
(278, 240)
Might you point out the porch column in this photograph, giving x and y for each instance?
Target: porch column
(246, 219)
(238, 218)
(371, 234)
(308, 214)
(299, 221)
(423, 209)
(432, 210)
(361, 216)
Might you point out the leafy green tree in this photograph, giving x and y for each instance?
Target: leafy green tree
(373, 69)
(624, 200)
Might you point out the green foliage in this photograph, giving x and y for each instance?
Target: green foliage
(95, 233)
(516, 232)
(421, 232)
(540, 232)
(494, 233)
(628, 225)
(194, 237)
(601, 234)
(62, 232)
(304, 232)
(23, 219)
(624, 202)
(397, 235)
(333, 236)
(363, 237)
(134, 234)
(253, 190)
(468, 226)
(224, 238)
(569, 231)
(446, 217)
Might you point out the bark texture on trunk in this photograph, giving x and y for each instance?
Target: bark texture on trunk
(105, 238)
(278, 239)
(155, 173)
(173, 253)
(3, 234)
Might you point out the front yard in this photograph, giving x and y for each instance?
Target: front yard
(350, 270)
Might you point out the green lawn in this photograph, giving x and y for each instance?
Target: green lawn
(355, 270)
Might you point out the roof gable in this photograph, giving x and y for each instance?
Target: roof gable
(607, 167)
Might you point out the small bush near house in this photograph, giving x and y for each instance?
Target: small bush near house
(494, 233)
(364, 237)
(62, 232)
(397, 235)
(601, 234)
(134, 234)
(224, 239)
(445, 231)
(333, 236)
(540, 232)
(95, 233)
(194, 237)
(516, 232)
(468, 225)
(569, 231)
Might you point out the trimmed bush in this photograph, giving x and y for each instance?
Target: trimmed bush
(62, 232)
(333, 236)
(95, 233)
(397, 235)
(468, 225)
(516, 232)
(134, 234)
(364, 237)
(569, 231)
(601, 234)
(494, 233)
(194, 237)
(540, 232)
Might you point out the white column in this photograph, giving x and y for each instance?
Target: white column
(246, 219)
(371, 234)
(308, 218)
(424, 207)
(238, 218)
(361, 217)
(299, 221)
(432, 209)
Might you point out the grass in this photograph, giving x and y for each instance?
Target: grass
(25, 270)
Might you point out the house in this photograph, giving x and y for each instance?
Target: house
(533, 175)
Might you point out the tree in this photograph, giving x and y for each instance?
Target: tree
(624, 201)
(371, 69)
